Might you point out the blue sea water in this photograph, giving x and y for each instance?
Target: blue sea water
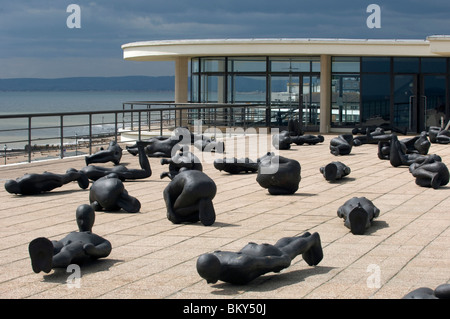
(13, 132)
(68, 101)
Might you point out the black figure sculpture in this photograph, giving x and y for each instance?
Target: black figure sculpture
(294, 128)
(208, 145)
(32, 184)
(122, 172)
(182, 159)
(282, 141)
(112, 154)
(341, 145)
(189, 196)
(280, 175)
(399, 157)
(307, 139)
(75, 248)
(255, 260)
(235, 165)
(439, 135)
(108, 193)
(334, 171)
(417, 144)
(368, 137)
(159, 146)
(358, 213)
(430, 173)
(441, 292)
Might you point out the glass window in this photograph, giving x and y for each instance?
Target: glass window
(290, 65)
(212, 89)
(345, 64)
(434, 65)
(212, 64)
(345, 99)
(375, 98)
(247, 64)
(406, 65)
(375, 64)
(243, 88)
(194, 88)
(194, 65)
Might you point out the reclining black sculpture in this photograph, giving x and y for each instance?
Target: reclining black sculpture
(282, 140)
(341, 145)
(358, 213)
(441, 292)
(335, 171)
(294, 127)
(189, 196)
(159, 146)
(182, 159)
(122, 172)
(255, 260)
(439, 135)
(280, 175)
(75, 248)
(112, 154)
(430, 173)
(208, 145)
(32, 184)
(235, 165)
(398, 156)
(108, 193)
(307, 139)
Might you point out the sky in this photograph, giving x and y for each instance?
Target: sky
(37, 42)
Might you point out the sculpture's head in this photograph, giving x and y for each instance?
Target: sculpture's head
(208, 267)
(85, 217)
(12, 186)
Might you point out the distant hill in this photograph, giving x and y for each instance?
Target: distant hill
(122, 83)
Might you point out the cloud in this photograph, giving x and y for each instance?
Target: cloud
(37, 30)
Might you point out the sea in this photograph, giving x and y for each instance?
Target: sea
(13, 133)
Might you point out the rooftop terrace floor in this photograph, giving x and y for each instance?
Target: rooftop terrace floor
(408, 245)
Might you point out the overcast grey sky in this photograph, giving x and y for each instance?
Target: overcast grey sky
(36, 42)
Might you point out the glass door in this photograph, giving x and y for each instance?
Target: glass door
(310, 101)
(284, 98)
(405, 102)
(432, 101)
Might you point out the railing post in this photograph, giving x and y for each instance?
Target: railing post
(160, 123)
(115, 126)
(61, 134)
(90, 133)
(29, 139)
(139, 125)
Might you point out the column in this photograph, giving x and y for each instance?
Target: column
(181, 80)
(325, 93)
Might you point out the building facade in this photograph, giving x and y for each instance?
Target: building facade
(328, 84)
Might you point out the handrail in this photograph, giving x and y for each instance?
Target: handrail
(156, 116)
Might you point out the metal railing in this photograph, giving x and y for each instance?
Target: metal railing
(59, 135)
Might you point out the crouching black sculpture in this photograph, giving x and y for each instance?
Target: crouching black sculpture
(255, 260)
(32, 184)
(334, 171)
(122, 172)
(282, 141)
(108, 193)
(112, 154)
(181, 160)
(189, 196)
(441, 292)
(358, 213)
(430, 173)
(341, 145)
(280, 175)
(75, 248)
(307, 139)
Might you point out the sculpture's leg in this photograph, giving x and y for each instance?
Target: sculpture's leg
(41, 254)
(314, 253)
(128, 203)
(68, 255)
(207, 214)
